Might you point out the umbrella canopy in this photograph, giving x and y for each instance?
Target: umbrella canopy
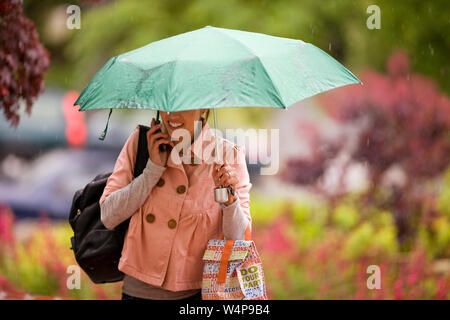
(214, 68)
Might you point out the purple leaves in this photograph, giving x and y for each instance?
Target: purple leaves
(23, 60)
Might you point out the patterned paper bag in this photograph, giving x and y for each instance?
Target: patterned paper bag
(232, 271)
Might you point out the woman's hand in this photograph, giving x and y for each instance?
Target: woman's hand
(224, 175)
(154, 139)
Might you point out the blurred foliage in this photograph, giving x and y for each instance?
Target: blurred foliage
(24, 61)
(309, 251)
(331, 246)
(400, 135)
(38, 267)
(444, 196)
(328, 254)
(38, 264)
(268, 209)
(346, 216)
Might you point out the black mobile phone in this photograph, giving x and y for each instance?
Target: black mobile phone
(162, 147)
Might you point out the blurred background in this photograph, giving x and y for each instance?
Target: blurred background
(364, 173)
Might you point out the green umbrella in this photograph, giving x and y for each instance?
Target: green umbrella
(214, 68)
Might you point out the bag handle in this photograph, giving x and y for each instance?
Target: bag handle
(223, 267)
(228, 247)
(140, 163)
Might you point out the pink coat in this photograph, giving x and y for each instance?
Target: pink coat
(166, 249)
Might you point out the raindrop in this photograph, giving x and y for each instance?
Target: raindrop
(329, 46)
(431, 49)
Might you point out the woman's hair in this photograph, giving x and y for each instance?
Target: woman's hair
(206, 116)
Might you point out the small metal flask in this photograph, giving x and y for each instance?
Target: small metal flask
(221, 194)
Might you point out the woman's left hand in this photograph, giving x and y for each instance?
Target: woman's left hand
(224, 175)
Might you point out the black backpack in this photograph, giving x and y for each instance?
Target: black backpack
(98, 250)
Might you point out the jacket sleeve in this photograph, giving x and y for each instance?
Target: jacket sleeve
(237, 220)
(124, 166)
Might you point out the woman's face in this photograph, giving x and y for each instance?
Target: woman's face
(181, 119)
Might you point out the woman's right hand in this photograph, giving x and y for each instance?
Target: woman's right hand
(155, 138)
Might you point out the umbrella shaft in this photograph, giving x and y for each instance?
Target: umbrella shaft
(215, 134)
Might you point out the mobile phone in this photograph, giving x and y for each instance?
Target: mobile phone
(162, 147)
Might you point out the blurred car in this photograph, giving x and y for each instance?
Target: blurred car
(47, 184)
(45, 128)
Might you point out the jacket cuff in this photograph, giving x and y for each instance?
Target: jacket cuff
(154, 168)
(231, 206)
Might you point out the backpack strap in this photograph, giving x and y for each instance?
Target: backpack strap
(140, 164)
(142, 151)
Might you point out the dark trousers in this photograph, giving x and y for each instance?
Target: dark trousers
(197, 296)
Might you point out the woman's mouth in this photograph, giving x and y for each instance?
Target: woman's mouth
(175, 124)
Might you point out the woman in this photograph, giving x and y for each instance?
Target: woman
(172, 207)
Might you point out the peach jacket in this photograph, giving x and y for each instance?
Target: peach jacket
(168, 234)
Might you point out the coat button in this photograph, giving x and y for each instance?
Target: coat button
(150, 217)
(160, 182)
(172, 223)
(181, 189)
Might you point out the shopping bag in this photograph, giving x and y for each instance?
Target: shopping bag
(232, 271)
